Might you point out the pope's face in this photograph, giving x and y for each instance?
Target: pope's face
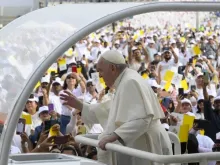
(107, 71)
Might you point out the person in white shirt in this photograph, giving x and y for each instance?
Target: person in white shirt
(91, 97)
(74, 84)
(31, 108)
(168, 63)
(200, 109)
(54, 95)
(95, 49)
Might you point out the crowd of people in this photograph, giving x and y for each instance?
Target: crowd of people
(181, 65)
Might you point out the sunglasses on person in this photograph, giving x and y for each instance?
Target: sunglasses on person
(70, 77)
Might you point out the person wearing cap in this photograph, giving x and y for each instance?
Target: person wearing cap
(81, 47)
(184, 106)
(95, 49)
(154, 85)
(43, 114)
(54, 97)
(157, 57)
(31, 108)
(75, 85)
(44, 85)
(200, 109)
(136, 60)
(127, 118)
(151, 49)
(211, 113)
(168, 63)
(210, 47)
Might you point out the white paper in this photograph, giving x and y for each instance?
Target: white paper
(95, 78)
(177, 79)
(99, 87)
(63, 67)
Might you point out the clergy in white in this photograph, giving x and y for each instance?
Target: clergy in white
(131, 118)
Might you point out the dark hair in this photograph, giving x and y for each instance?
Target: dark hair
(91, 154)
(70, 148)
(65, 84)
(199, 109)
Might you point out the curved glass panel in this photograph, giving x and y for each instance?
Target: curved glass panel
(27, 41)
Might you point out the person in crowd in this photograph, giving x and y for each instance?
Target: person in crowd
(74, 84)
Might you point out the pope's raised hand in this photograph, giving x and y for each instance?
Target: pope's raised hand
(69, 99)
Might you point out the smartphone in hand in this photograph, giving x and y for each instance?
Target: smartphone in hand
(206, 77)
(61, 139)
(74, 69)
(20, 126)
(181, 91)
(51, 107)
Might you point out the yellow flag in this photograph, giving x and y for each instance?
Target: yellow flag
(182, 39)
(37, 85)
(141, 32)
(168, 75)
(215, 79)
(135, 36)
(82, 129)
(196, 50)
(167, 86)
(102, 82)
(184, 133)
(92, 36)
(79, 69)
(188, 120)
(145, 76)
(53, 132)
(62, 64)
(194, 62)
(184, 85)
(27, 117)
(202, 132)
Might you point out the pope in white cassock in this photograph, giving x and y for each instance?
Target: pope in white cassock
(131, 118)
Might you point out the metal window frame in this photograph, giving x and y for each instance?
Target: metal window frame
(36, 75)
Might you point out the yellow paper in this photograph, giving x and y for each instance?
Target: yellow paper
(37, 85)
(92, 36)
(215, 79)
(27, 117)
(202, 132)
(167, 86)
(168, 75)
(51, 70)
(145, 76)
(69, 52)
(182, 39)
(82, 129)
(141, 32)
(53, 132)
(102, 82)
(188, 120)
(184, 133)
(194, 62)
(135, 37)
(79, 69)
(196, 50)
(184, 85)
(62, 61)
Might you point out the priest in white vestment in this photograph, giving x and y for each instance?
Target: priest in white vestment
(131, 118)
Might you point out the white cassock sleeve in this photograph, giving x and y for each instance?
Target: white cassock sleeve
(96, 113)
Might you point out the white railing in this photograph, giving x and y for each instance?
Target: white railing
(202, 158)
